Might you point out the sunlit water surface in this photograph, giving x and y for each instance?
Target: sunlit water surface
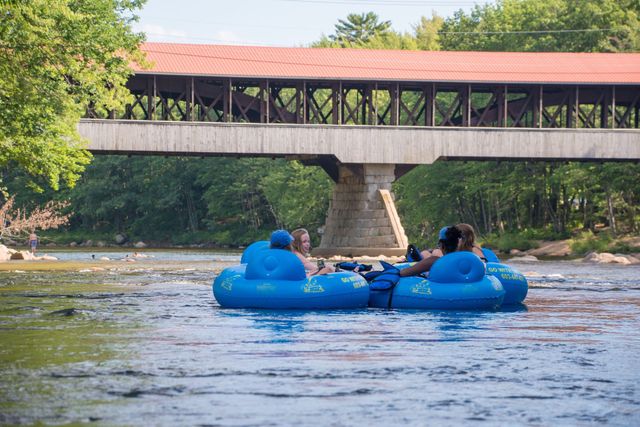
(149, 345)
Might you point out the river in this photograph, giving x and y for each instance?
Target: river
(144, 342)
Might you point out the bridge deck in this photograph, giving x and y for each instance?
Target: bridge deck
(358, 144)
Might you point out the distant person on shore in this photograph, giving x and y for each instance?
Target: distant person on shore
(302, 247)
(468, 241)
(449, 242)
(33, 241)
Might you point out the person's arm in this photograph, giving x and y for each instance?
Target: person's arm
(426, 253)
(308, 265)
(437, 252)
(419, 267)
(478, 251)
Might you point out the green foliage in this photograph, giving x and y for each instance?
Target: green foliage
(506, 242)
(249, 197)
(426, 32)
(178, 200)
(298, 194)
(587, 241)
(55, 58)
(544, 26)
(358, 29)
(64, 237)
(536, 200)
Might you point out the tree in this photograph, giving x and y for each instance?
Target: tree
(57, 57)
(545, 26)
(15, 223)
(357, 29)
(426, 32)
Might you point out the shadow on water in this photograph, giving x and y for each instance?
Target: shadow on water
(513, 308)
(282, 323)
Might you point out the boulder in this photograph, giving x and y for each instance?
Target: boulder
(630, 259)
(101, 244)
(608, 258)
(591, 257)
(554, 248)
(515, 252)
(526, 258)
(5, 253)
(73, 244)
(120, 239)
(622, 260)
(140, 245)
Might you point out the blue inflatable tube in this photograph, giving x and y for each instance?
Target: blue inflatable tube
(456, 281)
(513, 282)
(252, 249)
(276, 279)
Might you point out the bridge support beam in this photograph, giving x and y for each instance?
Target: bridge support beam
(362, 218)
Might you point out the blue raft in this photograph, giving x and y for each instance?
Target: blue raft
(514, 283)
(276, 279)
(456, 281)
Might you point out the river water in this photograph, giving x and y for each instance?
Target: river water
(145, 343)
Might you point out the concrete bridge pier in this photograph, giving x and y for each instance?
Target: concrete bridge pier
(362, 217)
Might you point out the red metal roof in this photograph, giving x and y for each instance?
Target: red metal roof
(392, 65)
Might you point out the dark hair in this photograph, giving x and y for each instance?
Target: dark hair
(452, 238)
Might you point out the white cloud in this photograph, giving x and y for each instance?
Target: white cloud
(226, 36)
(159, 33)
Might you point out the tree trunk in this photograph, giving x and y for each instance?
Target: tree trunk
(191, 211)
(499, 222)
(484, 213)
(612, 216)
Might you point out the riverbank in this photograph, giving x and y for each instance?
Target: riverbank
(556, 249)
(579, 244)
(590, 248)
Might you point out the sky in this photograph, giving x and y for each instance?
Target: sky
(275, 22)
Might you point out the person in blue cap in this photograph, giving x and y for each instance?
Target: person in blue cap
(281, 239)
(448, 242)
(442, 236)
(413, 255)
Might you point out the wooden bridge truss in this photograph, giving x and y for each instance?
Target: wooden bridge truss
(185, 98)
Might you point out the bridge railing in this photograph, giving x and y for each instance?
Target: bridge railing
(190, 98)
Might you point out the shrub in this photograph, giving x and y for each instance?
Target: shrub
(506, 242)
(586, 241)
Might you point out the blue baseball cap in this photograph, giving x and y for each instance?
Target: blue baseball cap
(442, 235)
(281, 239)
